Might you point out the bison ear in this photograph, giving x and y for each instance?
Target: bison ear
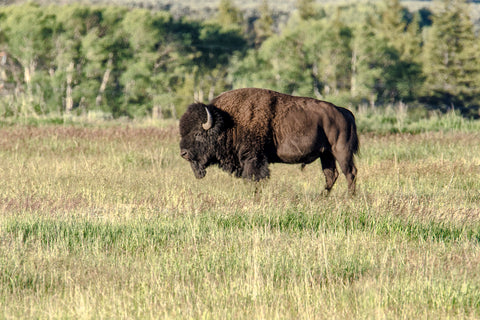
(207, 125)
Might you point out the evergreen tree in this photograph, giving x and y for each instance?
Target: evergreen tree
(263, 26)
(140, 80)
(451, 56)
(281, 63)
(310, 57)
(368, 57)
(402, 41)
(229, 15)
(392, 22)
(335, 55)
(306, 9)
(215, 46)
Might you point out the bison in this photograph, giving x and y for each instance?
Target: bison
(244, 130)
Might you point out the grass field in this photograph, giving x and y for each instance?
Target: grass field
(107, 221)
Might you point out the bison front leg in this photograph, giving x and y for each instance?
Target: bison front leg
(329, 170)
(255, 169)
(253, 164)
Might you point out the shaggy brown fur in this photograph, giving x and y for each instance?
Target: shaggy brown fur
(254, 127)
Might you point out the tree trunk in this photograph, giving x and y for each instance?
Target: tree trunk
(68, 93)
(173, 111)
(29, 71)
(316, 83)
(353, 79)
(157, 112)
(198, 95)
(27, 99)
(211, 92)
(106, 76)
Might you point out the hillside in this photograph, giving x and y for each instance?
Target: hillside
(208, 6)
(205, 9)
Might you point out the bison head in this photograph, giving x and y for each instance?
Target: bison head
(200, 128)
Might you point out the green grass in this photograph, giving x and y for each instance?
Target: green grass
(107, 221)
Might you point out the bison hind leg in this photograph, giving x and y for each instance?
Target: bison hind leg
(329, 169)
(351, 178)
(349, 170)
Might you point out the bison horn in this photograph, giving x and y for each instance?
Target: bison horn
(207, 125)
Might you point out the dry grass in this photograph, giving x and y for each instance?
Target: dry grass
(109, 222)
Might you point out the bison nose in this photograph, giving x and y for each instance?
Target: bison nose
(184, 153)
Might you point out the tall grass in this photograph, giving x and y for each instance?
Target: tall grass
(401, 118)
(109, 222)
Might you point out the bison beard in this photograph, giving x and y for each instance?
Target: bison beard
(244, 130)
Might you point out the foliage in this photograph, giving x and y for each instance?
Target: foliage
(138, 62)
(452, 56)
(263, 27)
(306, 9)
(229, 14)
(126, 62)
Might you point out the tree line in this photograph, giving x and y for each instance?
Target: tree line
(137, 62)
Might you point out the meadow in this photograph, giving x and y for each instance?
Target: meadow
(106, 221)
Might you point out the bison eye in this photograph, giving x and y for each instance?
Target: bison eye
(199, 137)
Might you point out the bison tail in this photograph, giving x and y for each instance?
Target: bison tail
(354, 142)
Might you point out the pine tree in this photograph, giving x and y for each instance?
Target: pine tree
(263, 26)
(402, 40)
(451, 58)
(368, 52)
(392, 19)
(401, 34)
(306, 9)
(228, 14)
